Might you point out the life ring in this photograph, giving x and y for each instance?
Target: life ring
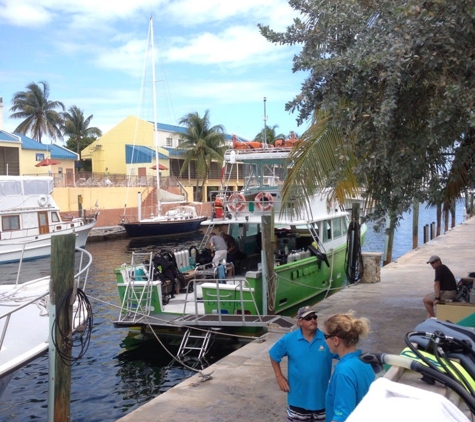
(264, 201)
(236, 202)
(42, 201)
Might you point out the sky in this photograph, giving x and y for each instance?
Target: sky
(209, 56)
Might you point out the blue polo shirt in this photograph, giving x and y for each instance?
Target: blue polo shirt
(309, 368)
(349, 383)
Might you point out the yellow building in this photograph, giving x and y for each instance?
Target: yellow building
(129, 149)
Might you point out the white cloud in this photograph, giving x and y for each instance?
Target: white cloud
(236, 46)
(25, 13)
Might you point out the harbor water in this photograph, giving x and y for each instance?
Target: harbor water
(111, 381)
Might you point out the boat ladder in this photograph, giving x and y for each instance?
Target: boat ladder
(138, 295)
(228, 171)
(206, 237)
(314, 232)
(194, 340)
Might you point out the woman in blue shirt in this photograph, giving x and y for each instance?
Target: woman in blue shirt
(351, 377)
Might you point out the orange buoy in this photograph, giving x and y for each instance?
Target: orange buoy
(264, 201)
(236, 202)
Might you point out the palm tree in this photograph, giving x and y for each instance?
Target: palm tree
(78, 128)
(270, 135)
(39, 113)
(202, 144)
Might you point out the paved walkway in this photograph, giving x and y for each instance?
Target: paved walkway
(243, 386)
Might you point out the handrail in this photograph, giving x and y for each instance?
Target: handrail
(82, 271)
(241, 286)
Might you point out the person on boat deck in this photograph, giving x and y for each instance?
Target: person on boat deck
(232, 248)
(309, 368)
(445, 286)
(351, 377)
(218, 245)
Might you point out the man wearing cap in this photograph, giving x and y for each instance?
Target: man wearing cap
(309, 368)
(445, 286)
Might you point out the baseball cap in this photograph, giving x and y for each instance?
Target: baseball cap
(432, 259)
(306, 310)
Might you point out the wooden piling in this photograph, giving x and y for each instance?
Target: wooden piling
(415, 224)
(267, 232)
(62, 281)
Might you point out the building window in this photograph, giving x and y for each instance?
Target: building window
(169, 142)
(10, 222)
(39, 157)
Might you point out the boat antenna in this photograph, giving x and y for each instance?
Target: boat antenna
(155, 131)
(265, 124)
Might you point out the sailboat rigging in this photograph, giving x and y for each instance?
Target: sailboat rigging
(178, 220)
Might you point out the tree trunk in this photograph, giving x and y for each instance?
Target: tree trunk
(389, 249)
(439, 219)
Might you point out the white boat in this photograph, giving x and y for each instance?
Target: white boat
(179, 220)
(30, 216)
(25, 317)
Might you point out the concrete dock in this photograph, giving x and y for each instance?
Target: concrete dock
(242, 385)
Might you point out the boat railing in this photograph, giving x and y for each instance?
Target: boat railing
(84, 263)
(54, 228)
(139, 287)
(38, 244)
(235, 291)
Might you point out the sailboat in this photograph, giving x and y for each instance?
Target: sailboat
(181, 219)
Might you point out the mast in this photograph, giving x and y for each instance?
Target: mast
(265, 124)
(155, 131)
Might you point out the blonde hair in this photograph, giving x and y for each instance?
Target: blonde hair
(347, 327)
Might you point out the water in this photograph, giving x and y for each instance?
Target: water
(375, 242)
(109, 381)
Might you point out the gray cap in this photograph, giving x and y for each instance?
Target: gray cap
(432, 259)
(306, 310)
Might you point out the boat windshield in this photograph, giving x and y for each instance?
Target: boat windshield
(263, 177)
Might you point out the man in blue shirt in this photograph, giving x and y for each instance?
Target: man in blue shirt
(309, 368)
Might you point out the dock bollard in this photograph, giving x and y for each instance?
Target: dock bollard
(372, 267)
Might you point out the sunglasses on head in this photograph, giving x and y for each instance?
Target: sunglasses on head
(309, 317)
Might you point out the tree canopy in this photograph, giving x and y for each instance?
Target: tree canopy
(38, 111)
(77, 127)
(202, 143)
(396, 79)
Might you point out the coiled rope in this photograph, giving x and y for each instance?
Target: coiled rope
(353, 258)
(81, 336)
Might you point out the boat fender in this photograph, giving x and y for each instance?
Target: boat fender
(42, 201)
(236, 202)
(264, 201)
(321, 257)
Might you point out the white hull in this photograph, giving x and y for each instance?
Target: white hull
(39, 246)
(25, 318)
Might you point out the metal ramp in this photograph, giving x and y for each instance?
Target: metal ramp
(237, 320)
(192, 341)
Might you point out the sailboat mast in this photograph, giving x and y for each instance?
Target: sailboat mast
(155, 131)
(265, 124)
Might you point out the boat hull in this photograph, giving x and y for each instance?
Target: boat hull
(39, 246)
(162, 227)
